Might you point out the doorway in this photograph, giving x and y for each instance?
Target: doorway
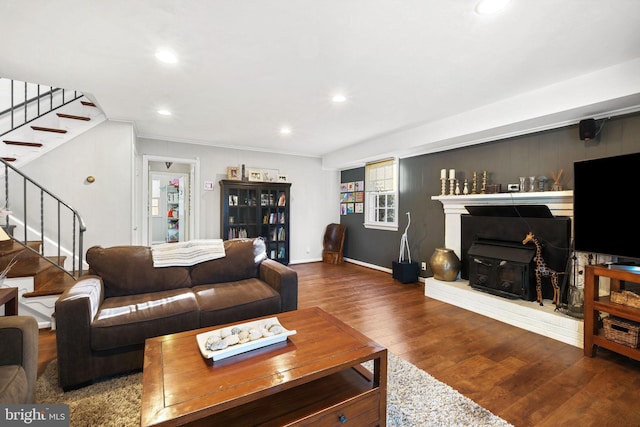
(169, 200)
(169, 213)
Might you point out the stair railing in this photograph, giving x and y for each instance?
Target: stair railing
(43, 228)
(34, 107)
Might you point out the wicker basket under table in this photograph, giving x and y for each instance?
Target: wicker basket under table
(622, 331)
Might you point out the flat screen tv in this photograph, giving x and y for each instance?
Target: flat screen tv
(606, 218)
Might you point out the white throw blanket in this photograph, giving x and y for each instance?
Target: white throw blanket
(187, 253)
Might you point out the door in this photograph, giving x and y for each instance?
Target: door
(168, 207)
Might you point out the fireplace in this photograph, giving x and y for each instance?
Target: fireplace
(501, 268)
(519, 312)
(493, 257)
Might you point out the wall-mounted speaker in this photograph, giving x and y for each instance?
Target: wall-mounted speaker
(588, 129)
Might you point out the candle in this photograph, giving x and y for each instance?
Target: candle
(452, 174)
(443, 173)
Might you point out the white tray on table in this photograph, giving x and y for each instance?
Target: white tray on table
(233, 350)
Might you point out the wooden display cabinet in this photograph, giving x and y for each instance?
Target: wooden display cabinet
(257, 209)
(594, 304)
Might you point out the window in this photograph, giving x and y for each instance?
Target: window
(381, 199)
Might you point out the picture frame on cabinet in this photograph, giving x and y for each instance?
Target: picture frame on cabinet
(233, 172)
(255, 175)
(270, 175)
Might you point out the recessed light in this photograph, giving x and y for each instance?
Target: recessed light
(166, 57)
(485, 7)
(164, 112)
(339, 98)
(285, 130)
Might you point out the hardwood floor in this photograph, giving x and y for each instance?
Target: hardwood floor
(525, 378)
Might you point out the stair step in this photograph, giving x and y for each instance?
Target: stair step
(8, 159)
(88, 104)
(26, 144)
(70, 116)
(54, 286)
(43, 129)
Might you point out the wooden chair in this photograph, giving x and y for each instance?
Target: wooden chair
(333, 243)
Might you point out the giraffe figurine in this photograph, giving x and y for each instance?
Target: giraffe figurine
(542, 269)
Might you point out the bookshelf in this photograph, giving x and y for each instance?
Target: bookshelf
(257, 209)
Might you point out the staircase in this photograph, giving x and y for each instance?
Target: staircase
(48, 277)
(35, 119)
(46, 233)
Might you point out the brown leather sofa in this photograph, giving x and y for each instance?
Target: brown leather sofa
(18, 359)
(103, 320)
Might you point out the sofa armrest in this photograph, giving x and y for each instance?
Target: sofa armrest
(74, 312)
(19, 338)
(284, 280)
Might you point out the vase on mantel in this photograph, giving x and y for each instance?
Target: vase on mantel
(445, 264)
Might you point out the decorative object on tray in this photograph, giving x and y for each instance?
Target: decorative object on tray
(232, 340)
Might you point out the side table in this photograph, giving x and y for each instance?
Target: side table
(9, 297)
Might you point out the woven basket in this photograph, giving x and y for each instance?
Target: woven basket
(622, 331)
(629, 298)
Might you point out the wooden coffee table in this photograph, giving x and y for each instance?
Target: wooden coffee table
(315, 377)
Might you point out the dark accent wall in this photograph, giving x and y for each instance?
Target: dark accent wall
(505, 160)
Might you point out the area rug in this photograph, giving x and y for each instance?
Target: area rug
(414, 398)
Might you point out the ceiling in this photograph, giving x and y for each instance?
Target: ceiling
(419, 75)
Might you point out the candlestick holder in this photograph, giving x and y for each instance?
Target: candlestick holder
(474, 183)
(443, 186)
(484, 182)
(452, 183)
(465, 189)
(457, 193)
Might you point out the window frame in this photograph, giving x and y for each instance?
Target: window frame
(372, 196)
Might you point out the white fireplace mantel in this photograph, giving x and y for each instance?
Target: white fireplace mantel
(559, 202)
(527, 315)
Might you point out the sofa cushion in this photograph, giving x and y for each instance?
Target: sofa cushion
(230, 302)
(129, 270)
(240, 262)
(129, 320)
(14, 387)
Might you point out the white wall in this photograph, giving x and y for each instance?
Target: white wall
(105, 152)
(314, 191)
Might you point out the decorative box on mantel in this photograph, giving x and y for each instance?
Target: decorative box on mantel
(523, 314)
